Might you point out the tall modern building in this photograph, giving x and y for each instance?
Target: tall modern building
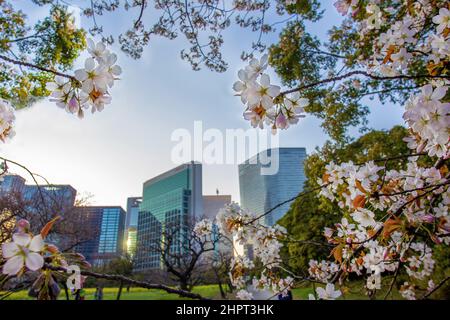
(211, 207)
(40, 196)
(131, 223)
(107, 226)
(212, 204)
(262, 192)
(173, 198)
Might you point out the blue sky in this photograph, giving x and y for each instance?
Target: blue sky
(110, 154)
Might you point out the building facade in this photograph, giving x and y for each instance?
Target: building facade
(260, 193)
(211, 207)
(40, 203)
(107, 226)
(171, 200)
(131, 223)
(39, 196)
(212, 204)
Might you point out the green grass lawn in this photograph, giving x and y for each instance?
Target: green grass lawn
(208, 291)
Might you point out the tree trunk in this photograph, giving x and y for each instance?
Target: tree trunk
(230, 286)
(184, 285)
(66, 290)
(120, 290)
(222, 292)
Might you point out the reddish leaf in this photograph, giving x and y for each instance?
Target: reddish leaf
(46, 229)
(359, 201)
(390, 225)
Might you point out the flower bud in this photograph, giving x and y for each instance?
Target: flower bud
(428, 218)
(436, 239)
(52, 248)
(23, 225)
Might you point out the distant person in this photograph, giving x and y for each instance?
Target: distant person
(80, 294)
(98, 293)
(288, 296)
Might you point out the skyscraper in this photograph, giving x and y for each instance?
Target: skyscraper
(41, 196)
(40, 203)
(260, 193)
(173, 198)
(211, 207)
(107, 224)
(131, 223)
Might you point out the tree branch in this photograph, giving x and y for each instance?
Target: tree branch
(142, 284)
(33, 66)
(435, 288)
(362, 73)
(136, 24)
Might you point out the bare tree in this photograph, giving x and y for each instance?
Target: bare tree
(40, 208)
(219, 263)
(183, 255)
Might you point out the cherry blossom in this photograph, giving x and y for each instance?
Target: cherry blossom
(203, 228)
(25, 250)
(7, 118)
(244, 295)
(374, 282)
(89, 86)
(442, 20)
(329, 293)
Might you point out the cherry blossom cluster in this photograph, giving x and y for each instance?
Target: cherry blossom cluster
(387, 202)
(322, 271)
(7, 118)
(264, 103)
(244, 228)
(89, 87)
(429, 119)
(203, 228)
(382, 209)
(403, 42)
(29, 252)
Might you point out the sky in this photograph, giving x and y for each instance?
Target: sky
(109, 155)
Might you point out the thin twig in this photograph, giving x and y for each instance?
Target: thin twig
(362, 73)
(435, 288)
(142, 284)
(143, 3)
(33, 66)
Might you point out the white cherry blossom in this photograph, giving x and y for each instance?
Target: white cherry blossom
(329, 293)
(24, 250)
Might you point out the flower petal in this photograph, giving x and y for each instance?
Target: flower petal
(21, 239)
(273, 91)
(90, 43)
(81, 74)
(116, 70)
(34, 261)
(37, 243)
(265, 80)
(89, 64)
(13, 265)
(9, 250)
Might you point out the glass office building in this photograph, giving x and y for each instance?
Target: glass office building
(260, 193)
(211, 207)
(107, 226)
(53, 195)
(133, 204)
(45, 200)
(172, 199)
